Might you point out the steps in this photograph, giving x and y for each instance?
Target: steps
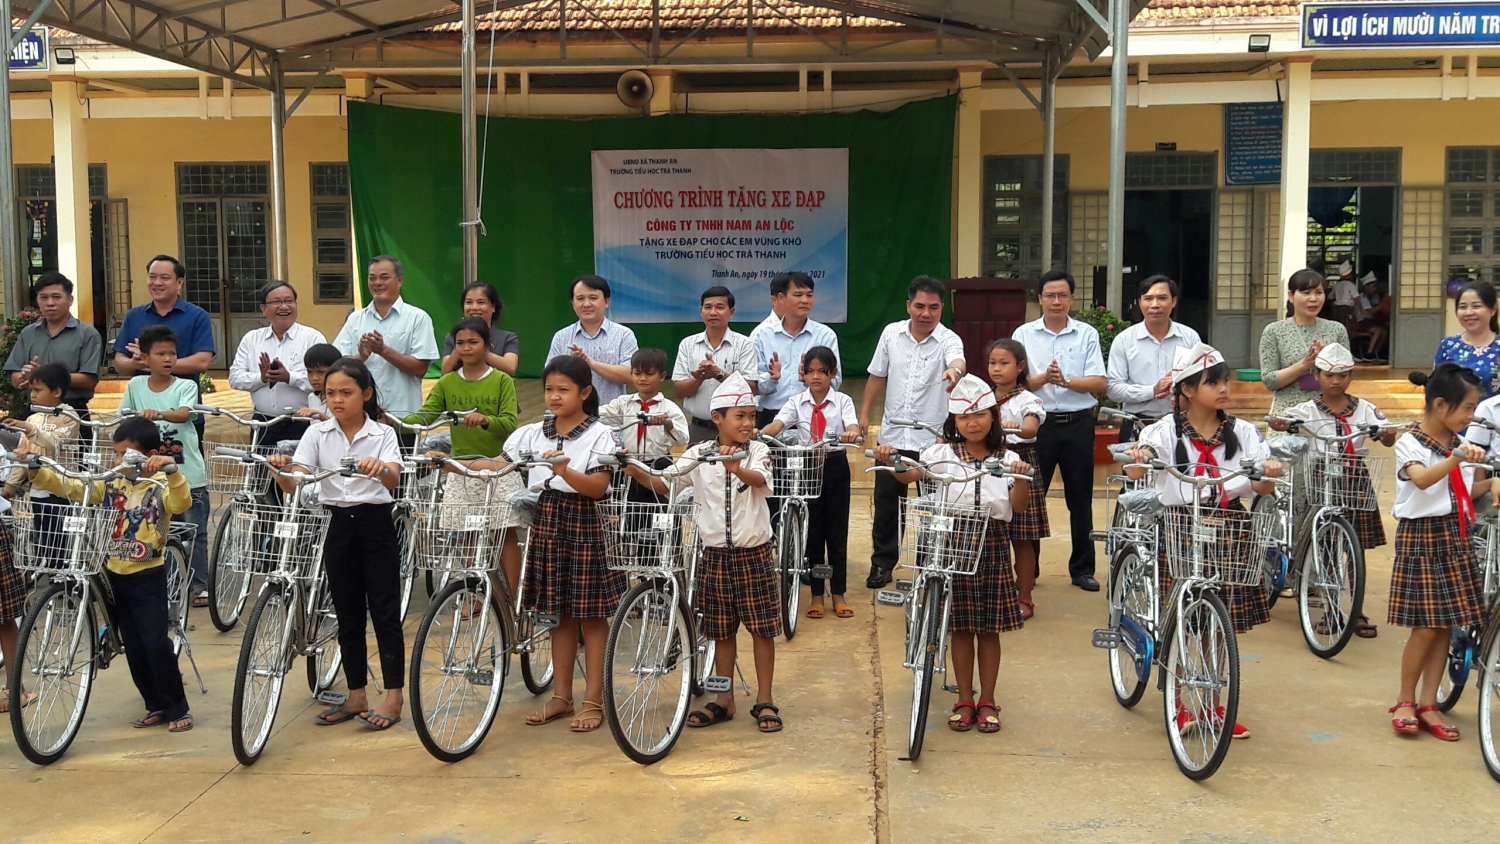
(1397, 397)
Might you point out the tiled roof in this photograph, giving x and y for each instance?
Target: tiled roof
(1167, 11)
(676, 15)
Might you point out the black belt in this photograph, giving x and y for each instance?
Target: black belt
(1065, 418)
(703, 422)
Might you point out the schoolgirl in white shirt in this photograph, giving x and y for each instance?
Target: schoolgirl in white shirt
(1021, 415)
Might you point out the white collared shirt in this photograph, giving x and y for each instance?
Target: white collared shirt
(1323, 424)
(994, 493)
(613, 343)
(583, 447)
(838, 414)
(788, 349)
(735, 353)
(244, 372)
(914, 387)
(1015, 409)
(1413, 503)
(406, 329)
(1076, 350)
(324, 446)
(718, 493)
(1163, 437)
(1344, 293)
(657, 442)
(1489, 411)
(1137, 362)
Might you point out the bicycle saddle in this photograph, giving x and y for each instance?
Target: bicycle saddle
(1141, 502)
(1287, 448)
(287, 447)
(437, 442)
(524, 500)
(684, 497)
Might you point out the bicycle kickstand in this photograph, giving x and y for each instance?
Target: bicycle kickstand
(374, 678)
(188, 647)
(743, 684)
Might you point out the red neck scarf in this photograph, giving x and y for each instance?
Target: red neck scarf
(1341, 419)
(819, 422)
(1207, 464)
(640, 429)
(1463, 501)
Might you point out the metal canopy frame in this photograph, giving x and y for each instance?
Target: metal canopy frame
(258, 43)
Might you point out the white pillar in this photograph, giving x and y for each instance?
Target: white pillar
(70, 150)
(1296, 138)
(970, 177)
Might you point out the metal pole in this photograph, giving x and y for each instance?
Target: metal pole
(278, 167)
(1049, 159)
(1119, 19)
(470, 227)
(11, 264)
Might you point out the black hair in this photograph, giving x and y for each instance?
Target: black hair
(1486, 293)
(320, 356)
(48, 279)
(783, 283)
(139, 430)
(823, 355)
(356, 369)
(575, 370)
(489, 292)
(1150, 281)
(153, 334)
(717, 291)
(54, 375)
(395, 264)
(592, 282)
(177, 268)
(272, 286)
(1216, 374)
(1300, 280)
(649, 360)
(1017, 350)
(475, 324)
(925, 284)
(1055, 275)
(1448, 381)
(994, 440)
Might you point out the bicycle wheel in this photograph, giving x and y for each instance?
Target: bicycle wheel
(703, 662)
(258, 677)
(57, 662)
(325, 659)
(1273, 564)
(789, 557)
(1133, 598)
(1203, 681)
(926, 623)
(408, 564)
(647, 680)
(1456, 668)
(1489, 702)
(1331, 590)
(536, 660)
(179, 593)
(227, 589)
(458, 666)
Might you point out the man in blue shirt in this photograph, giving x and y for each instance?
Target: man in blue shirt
(781, 344)
(165, 277)
(605, 345)
(1067, 368)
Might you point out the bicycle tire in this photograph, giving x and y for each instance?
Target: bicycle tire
(1205, 616)
(1335, 558)
(262, 657)
(227, 590)
(408, 572)
(925, 664)
(179, 592)
(45, 642)
(1456, 669)
(536, 662)
(468, 659)
(1263, 504)
(1134, 587)
(703, 665)
(648, 639)
(326, 658)
(1489, 701)
(789, 551)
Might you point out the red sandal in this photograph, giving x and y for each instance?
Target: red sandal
(1442, 731)
(958, 722)
(988, 723)
(1406, 726)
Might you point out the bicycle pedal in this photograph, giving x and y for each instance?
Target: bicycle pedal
(718, 685)
(1107, 638)
(890, 597)
(329, 697)
(904, 585)
(548, 620)
(1098, 535)
(482, 678)
(821, 572)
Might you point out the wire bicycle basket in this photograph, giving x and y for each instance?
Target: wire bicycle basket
(1346, 481)
(943, 536)
(1217, 543)
(647, 538)
(62, 538)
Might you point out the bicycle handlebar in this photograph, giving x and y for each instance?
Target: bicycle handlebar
(991, 466)
(444, 417)
(211, 410)
(65, 410)
(134, 462)
(316, 474)
(915, 426)
(1294, 426)
(1247, 470)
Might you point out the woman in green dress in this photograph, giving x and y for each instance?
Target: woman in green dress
(1289, 346)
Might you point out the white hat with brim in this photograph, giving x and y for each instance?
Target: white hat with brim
(970, 395)
(1334, 358)
(1192, 361)
(733, 392)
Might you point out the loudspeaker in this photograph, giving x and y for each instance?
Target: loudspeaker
(634, 88)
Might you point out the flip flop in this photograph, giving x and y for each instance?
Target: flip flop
(843, 610)
(1364, 629)
(150, 719)
(369, 714)
(181, 725)
(27, 699)
(326, 719)
(200, 600)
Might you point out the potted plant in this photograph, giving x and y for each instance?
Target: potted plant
(16, 402)
(1109, 325)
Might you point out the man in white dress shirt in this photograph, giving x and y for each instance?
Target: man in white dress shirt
(268, 363)
(705, 359)
(392, 337)
(1140, 360)
(919, 359)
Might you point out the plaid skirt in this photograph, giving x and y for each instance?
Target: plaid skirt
(1247, 605)
(566, 570)
(1032, 522)
(1435, 579)
(986, 601)
(12, 582)
(738, 585)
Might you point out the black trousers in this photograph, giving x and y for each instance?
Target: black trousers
(286, 429)
(364, 570)
(885, 532)
(1070, 446)
(828, 525)
(638, 492)
(764, 417)
(141, 618)
(702, 430)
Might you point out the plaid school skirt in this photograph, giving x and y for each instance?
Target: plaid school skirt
(1435, 578)
(566, 569)
(986, 601)
(12, 582)
(1246, 604)
(1032, 523)
(738, 586)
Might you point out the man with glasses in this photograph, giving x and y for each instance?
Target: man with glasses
(268, 362)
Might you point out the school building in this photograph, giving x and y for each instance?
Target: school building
(1390, 143)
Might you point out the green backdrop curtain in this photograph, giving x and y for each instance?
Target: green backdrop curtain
(406, 193)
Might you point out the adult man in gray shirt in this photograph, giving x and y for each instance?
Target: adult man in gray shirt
(58, 337)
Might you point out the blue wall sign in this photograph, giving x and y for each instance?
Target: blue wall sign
(1252, 143)
(1400, 24)
(31, 53)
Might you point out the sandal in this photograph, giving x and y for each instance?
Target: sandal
(334, 715)
(27, 699)
(711, 713)
(1028, 609)
(815, 611)
(843, 610)
(1364, 629)
(385, 722)
(536, 719)
(1405, 726)
(150, 719)
(767, 723)
(959, 722)
(989, 723)
(181, 725)
(587, 714)
(1443, 731)
(200, 600)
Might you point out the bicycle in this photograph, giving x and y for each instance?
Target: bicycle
(1467, 642)
(1191, 637)
(943, 539)
(1314, 543)
(1124, 526)
(417, 480)
(796, 479)
(68, 633)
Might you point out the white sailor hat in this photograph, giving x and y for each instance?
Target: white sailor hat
(970, 395)
(1334, 358)
(734, 391)
(1192, 361)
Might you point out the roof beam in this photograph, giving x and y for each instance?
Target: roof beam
(687, 63)
(944, 27)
